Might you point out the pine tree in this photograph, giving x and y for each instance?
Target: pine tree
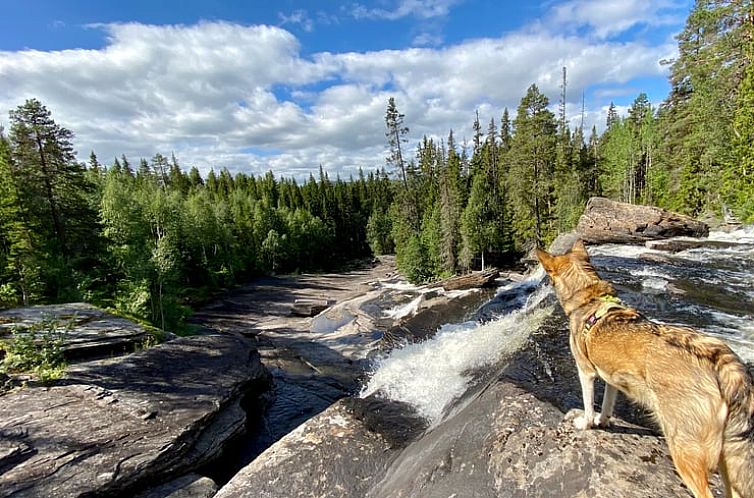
(20, 281)
(738, 187)
(395, 134)
(697, 117)
(55, 194)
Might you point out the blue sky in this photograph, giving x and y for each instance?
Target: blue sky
(289, 85)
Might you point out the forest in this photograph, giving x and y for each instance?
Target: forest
(150, 239)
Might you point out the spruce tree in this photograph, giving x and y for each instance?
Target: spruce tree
(55, 193)
(530, 179)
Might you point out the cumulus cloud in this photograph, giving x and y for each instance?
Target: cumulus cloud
(606, 18)
(244, 97)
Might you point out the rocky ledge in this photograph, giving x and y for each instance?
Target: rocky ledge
(117, 427)
(511, 440)
(86, 331)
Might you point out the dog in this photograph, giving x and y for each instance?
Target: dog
(698, 390)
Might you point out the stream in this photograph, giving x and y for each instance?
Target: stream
(710, 288)
(428, 378)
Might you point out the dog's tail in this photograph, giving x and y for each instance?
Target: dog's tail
(737, 389)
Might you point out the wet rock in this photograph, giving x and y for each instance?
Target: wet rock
(433, 313)
(606, 221)
(683, 244)
(87, 331)
(188, 486)
(310, 307)
(510, 440)
(115, 426)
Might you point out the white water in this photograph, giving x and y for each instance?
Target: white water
(744, 235)
(431, 375)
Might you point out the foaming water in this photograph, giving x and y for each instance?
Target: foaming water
(430, 375)
(710, 288)
(744, 234)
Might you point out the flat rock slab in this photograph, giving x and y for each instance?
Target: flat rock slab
(332, 455)
(606, 221)
(87, 330)
(115, 427)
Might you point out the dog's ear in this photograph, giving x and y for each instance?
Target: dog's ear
(546, 259)
(579, 249)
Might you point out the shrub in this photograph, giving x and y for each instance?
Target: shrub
(36, 349)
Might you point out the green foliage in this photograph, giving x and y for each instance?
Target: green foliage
(150, 240)
(36, 349)
(532, 169)
(697, 151)
(379, 228)
(738, 185)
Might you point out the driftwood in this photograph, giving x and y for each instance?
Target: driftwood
(606, 221)
(471, 280)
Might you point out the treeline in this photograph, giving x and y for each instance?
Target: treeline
(528, 179)
(150, 239)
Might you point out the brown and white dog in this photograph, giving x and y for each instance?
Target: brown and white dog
(698, 390)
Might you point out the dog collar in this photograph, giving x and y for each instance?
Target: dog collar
(608, 303)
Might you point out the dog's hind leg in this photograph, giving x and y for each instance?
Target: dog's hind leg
(737, 468)
(696, 448)
(730, 491)
(692, 467)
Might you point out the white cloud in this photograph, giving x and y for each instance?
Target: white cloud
(211, 92)
(606, 18)
(298, 17)
(420, 9)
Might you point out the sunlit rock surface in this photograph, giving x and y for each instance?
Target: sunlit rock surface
(115, 426)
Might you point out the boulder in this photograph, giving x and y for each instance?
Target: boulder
(471, 280)
(332, 455)
(510, 440)
(114, 427)
(87, 331)
(606, 221)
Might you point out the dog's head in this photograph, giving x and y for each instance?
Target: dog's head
(570, 273)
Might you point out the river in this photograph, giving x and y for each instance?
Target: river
(710, 288)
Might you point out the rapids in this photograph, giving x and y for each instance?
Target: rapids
(710, 288)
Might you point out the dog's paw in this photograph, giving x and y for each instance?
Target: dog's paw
(602, 421)
(580, 421)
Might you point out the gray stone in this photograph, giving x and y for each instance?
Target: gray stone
(509, 440)
(115, 426)
(607, 221)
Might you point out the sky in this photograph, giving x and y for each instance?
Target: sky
(289, 85)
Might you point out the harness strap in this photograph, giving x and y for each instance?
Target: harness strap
(608, 303)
